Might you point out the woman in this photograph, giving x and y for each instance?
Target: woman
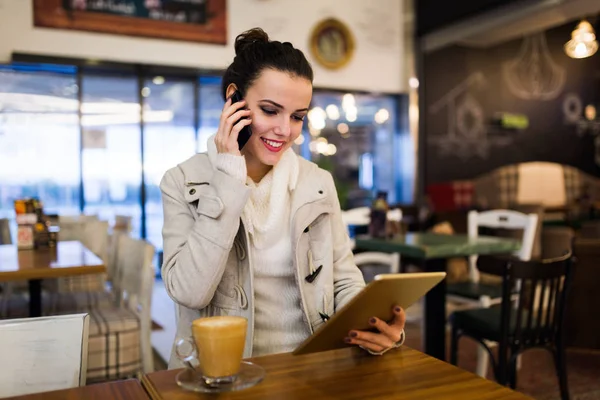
(258, 232)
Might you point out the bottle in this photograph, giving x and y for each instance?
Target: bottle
(379, 209)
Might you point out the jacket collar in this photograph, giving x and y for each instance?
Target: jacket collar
(197, 170)
(311, 188)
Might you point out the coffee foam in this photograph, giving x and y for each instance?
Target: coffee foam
(219, 322)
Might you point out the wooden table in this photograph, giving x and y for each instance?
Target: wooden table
(348, 373)
(117, 390)
(431, 251)
(67, 259)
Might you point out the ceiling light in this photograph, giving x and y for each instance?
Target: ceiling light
(583, 41)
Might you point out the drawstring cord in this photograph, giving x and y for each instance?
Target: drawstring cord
(240, 251)
(239, 290)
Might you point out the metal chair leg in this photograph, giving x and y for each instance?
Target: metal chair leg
(512, 371)
(454, 346)
(560, 361)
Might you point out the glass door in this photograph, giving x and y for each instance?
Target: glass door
(111, 147)
(169, 139)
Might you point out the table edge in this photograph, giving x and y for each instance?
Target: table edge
(148, 386)
(51, 273)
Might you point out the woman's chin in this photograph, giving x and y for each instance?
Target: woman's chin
(269, 159)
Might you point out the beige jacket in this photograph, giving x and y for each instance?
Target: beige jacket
(207, 269)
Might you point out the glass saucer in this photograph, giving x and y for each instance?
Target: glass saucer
(250, 374)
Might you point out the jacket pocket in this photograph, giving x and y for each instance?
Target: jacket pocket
(204, 198)
(226, 296)
(319, 233)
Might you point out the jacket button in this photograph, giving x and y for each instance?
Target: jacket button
(320, 192)
(192, 191)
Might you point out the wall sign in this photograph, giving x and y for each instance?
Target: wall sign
(189, 20)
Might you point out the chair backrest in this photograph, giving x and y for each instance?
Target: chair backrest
(43, 354)
(557, 241)
(5, 237)
(395, 215)
(582, 325)
(360, 216)
(135, 283)
(539, 310)
(374, 257)
(590, 230)
(94, 236)
(70, 228)
(135, 271)
(503, 219)
(123, 223)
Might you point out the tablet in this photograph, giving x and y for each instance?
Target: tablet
(375, 300)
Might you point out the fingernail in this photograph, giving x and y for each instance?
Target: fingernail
(372, 320)
(353, 334)
(347, 340)
(397, 309)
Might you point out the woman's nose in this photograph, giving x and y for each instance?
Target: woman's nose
(283, 128)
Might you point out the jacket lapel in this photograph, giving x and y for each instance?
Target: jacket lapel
(310, 199)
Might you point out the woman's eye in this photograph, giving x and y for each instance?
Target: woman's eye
(298, 117)
(268, 111)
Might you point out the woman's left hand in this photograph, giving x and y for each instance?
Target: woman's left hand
(389, 333)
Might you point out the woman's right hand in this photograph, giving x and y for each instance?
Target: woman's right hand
(230, 126)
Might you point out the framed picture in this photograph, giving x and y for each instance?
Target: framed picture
(332, 43)
(187, 20)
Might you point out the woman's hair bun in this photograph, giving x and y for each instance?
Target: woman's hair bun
(248, 38)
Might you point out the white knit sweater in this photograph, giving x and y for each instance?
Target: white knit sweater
(278, 320)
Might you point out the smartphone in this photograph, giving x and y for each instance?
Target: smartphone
(245, 133)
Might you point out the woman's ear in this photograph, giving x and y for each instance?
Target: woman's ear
(230, 90)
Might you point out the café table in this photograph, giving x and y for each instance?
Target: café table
(431, 251)
(68, 258)
(348, 373)
(129, 389)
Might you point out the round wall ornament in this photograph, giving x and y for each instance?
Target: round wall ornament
(332, 43)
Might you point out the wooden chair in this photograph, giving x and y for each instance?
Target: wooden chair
(536, 320)
(582, 325)
(119, 345)
(5, 287)
(43, 354)
(5, 237)
(477, 294)
(356, 217)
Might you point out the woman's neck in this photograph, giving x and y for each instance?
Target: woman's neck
(256, 170)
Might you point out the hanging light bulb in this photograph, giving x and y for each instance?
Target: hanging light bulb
(583, 41)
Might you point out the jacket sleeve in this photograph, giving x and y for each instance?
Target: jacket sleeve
(347, 277)
(195, 250)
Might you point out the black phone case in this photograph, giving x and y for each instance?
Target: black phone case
(245, 133)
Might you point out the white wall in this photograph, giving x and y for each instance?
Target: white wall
(377, 64)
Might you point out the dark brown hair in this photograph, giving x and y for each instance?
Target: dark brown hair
(254, 52)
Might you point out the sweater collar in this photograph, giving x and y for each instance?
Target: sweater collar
(288, 162)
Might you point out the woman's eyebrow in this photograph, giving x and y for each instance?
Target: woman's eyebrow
(280, 106)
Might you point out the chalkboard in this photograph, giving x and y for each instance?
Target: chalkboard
(184, 11)
(467, 88)
(191, 20)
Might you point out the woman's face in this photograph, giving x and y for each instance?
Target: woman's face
(278, 102)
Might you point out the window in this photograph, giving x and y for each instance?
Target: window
(39, 138)
(111, 151)
(360, 139)
(169, 139)
(209, 108)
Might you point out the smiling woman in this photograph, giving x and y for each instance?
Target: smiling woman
(258, 232)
